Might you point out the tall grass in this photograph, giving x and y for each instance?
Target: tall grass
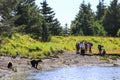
(25, 46)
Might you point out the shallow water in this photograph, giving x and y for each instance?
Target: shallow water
(78, 73)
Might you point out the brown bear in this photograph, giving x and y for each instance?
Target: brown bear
(10, 65)
(34, 63)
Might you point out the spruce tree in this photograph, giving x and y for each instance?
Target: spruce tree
(112, 19)
(83, 22)
(28, 16)
(56, 29)
(100, 10)
(7, 13)
(49, 15)
(7, 8)
(46, 37)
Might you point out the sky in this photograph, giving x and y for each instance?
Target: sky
(66, 10)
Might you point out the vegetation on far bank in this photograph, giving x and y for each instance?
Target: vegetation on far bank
(25, 46)
(25, 16)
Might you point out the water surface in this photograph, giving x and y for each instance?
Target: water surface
(78, 73)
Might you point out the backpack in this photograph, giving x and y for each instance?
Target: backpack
(91, 44)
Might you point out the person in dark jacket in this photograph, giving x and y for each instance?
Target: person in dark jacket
(86, 46)
(103, 52)
(90, 46)
(100, 48)
(82, 48)
(77, 48)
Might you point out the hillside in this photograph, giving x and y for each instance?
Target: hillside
(25, 46)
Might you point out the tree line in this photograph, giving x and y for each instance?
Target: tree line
(25, 17)
(104, 22)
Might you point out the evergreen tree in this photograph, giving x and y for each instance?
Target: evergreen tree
(112, 19)
(7, 13)
(29, 15)
(84, 20)
(45, 32)
(49, 15)
(56, 29)
(76, 29)
(47, 12)
(100, 10)
(7, 8)
(98, 29)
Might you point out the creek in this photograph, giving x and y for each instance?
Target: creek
(78, 73)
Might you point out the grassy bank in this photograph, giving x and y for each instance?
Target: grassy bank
(25, 46)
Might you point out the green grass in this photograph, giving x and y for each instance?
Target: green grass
(25, 46)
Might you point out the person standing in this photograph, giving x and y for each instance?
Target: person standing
(86, 46)
(103, 52)
(82, 48)
(77, 48)
(90, 47)
(100, 48)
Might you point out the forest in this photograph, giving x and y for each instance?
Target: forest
(24, 16)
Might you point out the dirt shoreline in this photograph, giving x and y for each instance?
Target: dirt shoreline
(68, 59)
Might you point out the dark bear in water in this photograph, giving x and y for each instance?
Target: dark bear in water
(34, 63)
(10, 65)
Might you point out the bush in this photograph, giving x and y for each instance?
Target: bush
(98, 29)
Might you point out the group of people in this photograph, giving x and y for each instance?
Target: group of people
(84, 46)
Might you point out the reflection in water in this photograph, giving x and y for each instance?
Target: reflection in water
(79, 73)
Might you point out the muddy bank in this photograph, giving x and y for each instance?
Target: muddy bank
(20, 66)
(68, 59)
